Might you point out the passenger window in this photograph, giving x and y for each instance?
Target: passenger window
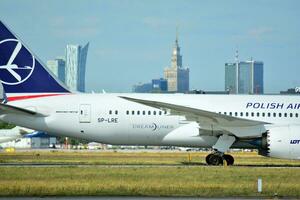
(132, 112)
(138, 112)
(144, 112)
(165, 112)
(225, 113)
(116, 112)
(149, 112)
(154, 112)
(269, 114)
(285, 114)
(241, 114)
(247, 114)
(230, 113)
(296, 115)
(263, 114)
(159, 112)
(291, 114)
(274, 114)
(252, 114)
(110, 112)
(279, 114)
(127, 112)
(257, 114)
(236, 114)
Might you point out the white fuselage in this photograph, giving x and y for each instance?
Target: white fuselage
(107, 118)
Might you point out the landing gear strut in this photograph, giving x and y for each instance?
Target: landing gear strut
(218, 158)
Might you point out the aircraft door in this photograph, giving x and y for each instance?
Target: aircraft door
(85, 113)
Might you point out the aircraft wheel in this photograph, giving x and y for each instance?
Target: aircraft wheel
(207, 158)
(229, 159)
(215, 159)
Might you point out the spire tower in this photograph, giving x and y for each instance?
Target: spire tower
(176, 61)
(177, 75)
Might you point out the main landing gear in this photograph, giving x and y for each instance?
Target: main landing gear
(218, 158)
(222, 145)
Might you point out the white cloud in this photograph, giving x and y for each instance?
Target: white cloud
(66, 27)
(157, 23)
(260, 32)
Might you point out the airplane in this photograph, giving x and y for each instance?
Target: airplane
(17, 132)
(37, 100)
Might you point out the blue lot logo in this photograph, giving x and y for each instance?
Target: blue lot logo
(295, 142)
(16, 62)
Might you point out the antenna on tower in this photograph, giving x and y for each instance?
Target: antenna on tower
(177, 27)
(236, 55)
(237, 71)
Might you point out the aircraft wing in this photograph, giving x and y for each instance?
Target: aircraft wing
(9, 109)
(237, 126)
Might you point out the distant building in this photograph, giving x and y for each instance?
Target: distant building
(75, 67)
(231, 78)
(34, 142)
(142, 88)
(207, 92)
(244, 77)
(159, 85)
(58, 68)
(295, 90)
(177, 75)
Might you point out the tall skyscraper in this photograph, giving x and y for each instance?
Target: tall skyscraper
(75, 66)
(244, 77)
(58, 68)
(231, 78)
(177, 75)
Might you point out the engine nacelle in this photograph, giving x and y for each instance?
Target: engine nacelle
(281, 142)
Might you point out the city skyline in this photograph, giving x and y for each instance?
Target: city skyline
(70, 68)
(134, 37)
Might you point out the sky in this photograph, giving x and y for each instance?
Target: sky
(131, 41)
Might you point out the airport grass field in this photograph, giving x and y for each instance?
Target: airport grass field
(144, 174)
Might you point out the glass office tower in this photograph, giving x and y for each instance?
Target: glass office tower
(75, 67)
(244, 77)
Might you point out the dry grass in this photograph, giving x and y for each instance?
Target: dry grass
(154, 181)
(146, 181)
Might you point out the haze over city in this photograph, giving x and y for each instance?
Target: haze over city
(132, 41)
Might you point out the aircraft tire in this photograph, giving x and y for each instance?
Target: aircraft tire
(207, 158)
(229, 159)
(215, 159)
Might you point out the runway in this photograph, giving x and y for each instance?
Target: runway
(119, 198)
(184, 165)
